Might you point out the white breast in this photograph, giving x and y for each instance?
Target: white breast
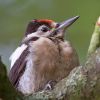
(26, 83)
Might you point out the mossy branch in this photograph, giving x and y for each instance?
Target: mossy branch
(95, 40)
(7, 92)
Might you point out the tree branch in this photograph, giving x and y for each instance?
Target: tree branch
(7, 92)
(95, 40)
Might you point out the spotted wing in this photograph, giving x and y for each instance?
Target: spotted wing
(18, 65)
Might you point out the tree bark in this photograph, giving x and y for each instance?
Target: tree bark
(83, 82)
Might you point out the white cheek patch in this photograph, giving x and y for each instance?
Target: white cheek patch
(32, 35)
(16, 54)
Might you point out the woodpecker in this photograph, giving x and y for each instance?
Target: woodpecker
(43, 56)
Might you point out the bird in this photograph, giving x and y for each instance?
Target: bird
(43, 56)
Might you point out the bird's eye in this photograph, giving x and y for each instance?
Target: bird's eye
(44, 29)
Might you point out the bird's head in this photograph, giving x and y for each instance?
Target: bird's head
(48, 28)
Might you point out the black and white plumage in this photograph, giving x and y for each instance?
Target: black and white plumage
(43, 56)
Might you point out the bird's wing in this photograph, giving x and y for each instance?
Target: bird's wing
(18, 63)
(18, 60)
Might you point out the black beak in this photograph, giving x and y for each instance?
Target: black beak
(67, 23)
(62, 26)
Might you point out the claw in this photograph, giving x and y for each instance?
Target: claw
(50, 85)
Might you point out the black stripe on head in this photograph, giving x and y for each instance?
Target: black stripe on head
(28, 40)
(34, 25)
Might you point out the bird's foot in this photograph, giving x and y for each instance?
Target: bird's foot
(50, 85)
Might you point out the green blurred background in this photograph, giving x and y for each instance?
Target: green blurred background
(15, 14)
